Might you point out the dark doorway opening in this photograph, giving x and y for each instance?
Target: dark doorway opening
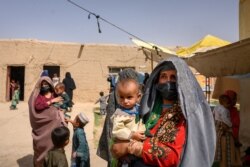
(52, 70)
(16, 73)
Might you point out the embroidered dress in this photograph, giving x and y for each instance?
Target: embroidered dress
(168, 137)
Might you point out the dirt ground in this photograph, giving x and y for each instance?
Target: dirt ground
(16, 141)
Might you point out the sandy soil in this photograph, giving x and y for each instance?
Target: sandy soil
(16, 141)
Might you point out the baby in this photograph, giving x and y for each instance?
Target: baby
(222, 114)
(65, 104)
(126, 124)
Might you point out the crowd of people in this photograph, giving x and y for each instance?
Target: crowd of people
(163, 121)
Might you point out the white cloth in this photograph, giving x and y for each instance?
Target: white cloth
(222, 114)
(55, 81)
(124, 124)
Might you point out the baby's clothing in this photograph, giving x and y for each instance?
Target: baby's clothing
(80, 146)
(222, 114)
(126, 121)
(103, 104)
(56, 157)
(64, 105)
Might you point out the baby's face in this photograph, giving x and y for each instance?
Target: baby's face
(226, 104)
(128, 94)
(59, 91)
(75, 122)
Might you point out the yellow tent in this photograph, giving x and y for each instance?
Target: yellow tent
(207, 43)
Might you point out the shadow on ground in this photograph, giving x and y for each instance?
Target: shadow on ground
(25, 161)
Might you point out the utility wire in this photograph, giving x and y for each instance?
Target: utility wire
(108, 22)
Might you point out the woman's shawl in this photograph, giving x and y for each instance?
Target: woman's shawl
(69, 82)
(103, 149)
(199, 148)
(42, 123)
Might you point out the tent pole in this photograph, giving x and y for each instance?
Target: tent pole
(152, 61)
(208, 89)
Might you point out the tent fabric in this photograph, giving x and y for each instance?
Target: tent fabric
(207, 43)
(226, 83)
(154, 52)
(233, 59)
(151, 46)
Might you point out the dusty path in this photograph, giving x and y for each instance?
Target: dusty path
(16, 141)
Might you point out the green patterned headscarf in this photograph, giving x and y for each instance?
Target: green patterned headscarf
(154, 116)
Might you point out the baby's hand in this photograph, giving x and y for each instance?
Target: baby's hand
(57, 99)
(139, 135)
(67, 120)
(74, 155)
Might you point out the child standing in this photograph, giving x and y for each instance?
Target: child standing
(224, 140)
(126, 124)
(56, 156)
(103, 103)
(15, 96)
(221, 112)
(80, 148)
(65, 104)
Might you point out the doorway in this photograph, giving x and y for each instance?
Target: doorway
(52, 70)
(16, 73)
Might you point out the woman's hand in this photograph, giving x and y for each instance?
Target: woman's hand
(74, 154)
(135, 148)
(67, 120)
(119, 149)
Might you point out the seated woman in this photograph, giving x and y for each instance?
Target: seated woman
(179, 123)
(44, 117)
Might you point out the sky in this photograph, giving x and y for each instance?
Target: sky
(163, 22)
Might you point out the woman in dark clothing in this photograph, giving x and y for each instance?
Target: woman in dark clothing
(69, 86)
(103, 149)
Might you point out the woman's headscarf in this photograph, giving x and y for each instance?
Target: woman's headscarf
(103, 149)
(43, 122)
(69, 82)
(200, 141)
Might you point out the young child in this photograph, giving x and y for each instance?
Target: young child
(221, 112)
(126, 124)
(103, 103)
(65, 104)
(56, 156)
(15, 96)
(223, 127)
(80, 148)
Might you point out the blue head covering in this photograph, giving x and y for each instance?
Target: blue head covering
(45, 73)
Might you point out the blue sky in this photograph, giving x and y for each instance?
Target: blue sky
(163, 22)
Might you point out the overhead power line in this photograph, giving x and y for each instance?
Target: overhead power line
(98, 17)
